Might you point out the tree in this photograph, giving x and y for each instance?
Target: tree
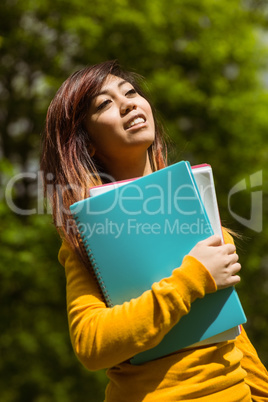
(204, 61)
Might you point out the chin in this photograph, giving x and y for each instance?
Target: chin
(144, 144)
(146, 138)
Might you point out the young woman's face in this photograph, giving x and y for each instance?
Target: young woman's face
(120, 121)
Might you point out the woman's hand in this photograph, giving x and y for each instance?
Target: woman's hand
(220, 260)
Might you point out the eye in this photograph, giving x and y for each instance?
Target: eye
(103, 104)
(132, 91)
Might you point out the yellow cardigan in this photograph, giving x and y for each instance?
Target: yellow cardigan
(107, 337)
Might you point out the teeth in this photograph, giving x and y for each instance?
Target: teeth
(136, 121)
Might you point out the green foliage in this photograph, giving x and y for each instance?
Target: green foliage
(37, 362)
(205, 65)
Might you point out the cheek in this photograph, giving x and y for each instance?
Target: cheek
(107, 122)
(98, 129)
(150, 117)
(148, 110)
(104, 134)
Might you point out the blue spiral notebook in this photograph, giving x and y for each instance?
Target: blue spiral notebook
(137, 234)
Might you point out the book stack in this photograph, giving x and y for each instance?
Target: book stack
(137, 231)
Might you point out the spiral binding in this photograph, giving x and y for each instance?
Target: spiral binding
(93, 264)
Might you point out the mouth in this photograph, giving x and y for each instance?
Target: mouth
(135, 121)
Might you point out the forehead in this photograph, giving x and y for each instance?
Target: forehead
(112, 82)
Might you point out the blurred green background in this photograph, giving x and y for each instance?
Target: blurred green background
(205, 62)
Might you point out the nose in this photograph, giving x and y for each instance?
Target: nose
(127, 106)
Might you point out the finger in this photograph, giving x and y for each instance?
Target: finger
(229, 248)
(232, 281)
(234, 258)
(236, 268)
(231, 262)
(214, 240)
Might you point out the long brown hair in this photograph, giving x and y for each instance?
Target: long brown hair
(68, 169)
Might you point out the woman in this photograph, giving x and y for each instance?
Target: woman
(101, 127)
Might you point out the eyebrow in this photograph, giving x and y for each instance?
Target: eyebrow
(106, 92)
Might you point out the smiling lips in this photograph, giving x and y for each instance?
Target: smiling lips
(135, 121)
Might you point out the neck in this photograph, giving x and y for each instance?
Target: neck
(131, 168)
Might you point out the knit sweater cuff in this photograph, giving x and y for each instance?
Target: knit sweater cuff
(193, 280)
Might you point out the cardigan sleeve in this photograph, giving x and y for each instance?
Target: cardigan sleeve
(104, 337)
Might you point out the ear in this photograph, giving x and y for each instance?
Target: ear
(91, 150)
